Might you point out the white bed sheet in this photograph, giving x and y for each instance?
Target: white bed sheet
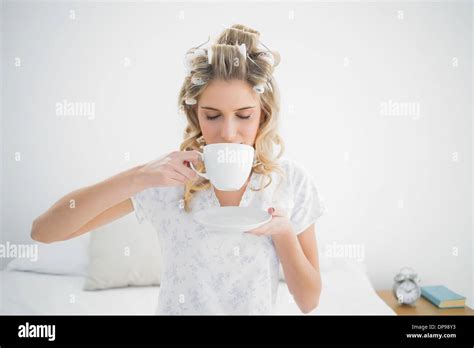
(346, 291)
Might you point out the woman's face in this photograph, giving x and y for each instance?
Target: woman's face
(229, 112)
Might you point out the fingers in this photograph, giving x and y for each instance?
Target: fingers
(264, 229)
(190, 156)
(173, 179)
(174, 170)
(184, 171)
(178, 176)
(269, 228)
(276, 211)
(258, 231)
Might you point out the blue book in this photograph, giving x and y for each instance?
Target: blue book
(442, 297)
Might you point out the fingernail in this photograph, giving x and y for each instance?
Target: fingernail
(272, 210)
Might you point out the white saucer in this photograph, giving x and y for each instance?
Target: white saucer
(232, 218)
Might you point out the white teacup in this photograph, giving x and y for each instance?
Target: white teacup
(228, 165)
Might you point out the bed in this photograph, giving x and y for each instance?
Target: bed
(346, 291)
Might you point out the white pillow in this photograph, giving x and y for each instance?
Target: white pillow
(124, 253)
(68, 257)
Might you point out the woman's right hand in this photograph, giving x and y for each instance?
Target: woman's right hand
(169, 170)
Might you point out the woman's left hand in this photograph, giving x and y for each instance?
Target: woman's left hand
(278, 225)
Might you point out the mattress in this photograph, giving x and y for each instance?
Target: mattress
(346, 291)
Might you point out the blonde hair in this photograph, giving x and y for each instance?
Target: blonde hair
(256, 71)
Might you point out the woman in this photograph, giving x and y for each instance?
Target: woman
(229, 96)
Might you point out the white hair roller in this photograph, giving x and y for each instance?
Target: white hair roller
(199, 52)
(259, 88)
(189, 58)
(188, 62)
(268, 57)
(198, 81)
(209, 55)
(266, 54)
(190, 101)
(242, 49)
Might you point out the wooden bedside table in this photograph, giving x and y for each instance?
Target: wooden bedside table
(422, 306)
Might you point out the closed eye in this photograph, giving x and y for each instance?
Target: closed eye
(239, 116)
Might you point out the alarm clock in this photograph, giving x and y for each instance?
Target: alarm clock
(406, 288)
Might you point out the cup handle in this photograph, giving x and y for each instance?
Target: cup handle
(204, 175)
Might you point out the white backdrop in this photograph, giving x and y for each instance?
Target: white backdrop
(376, 102)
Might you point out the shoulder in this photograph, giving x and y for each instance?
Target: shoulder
(300, 196)
(295, 171)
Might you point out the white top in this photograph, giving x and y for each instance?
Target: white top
(216, 273)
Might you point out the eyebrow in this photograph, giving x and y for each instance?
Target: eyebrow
(244, 108)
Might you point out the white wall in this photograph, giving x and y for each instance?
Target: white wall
(400, 186)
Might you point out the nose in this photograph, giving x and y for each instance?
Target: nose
(229, 131)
